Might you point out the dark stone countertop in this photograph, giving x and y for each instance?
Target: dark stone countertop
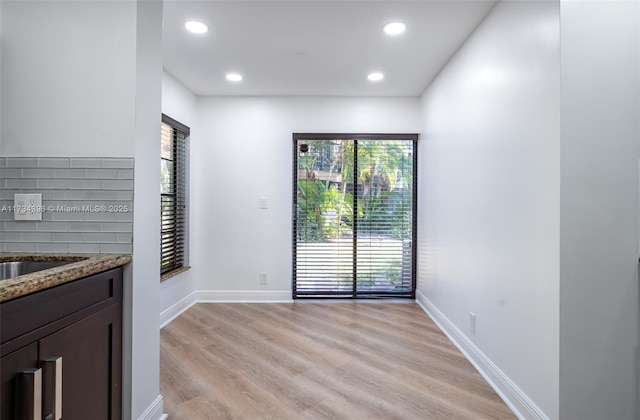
(82, 265)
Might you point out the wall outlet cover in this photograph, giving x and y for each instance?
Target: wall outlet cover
(27, 207)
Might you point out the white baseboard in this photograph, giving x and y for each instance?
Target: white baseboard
(243, 296)
(154, 411)
(176, 309)
(221, 296)
(513, 396)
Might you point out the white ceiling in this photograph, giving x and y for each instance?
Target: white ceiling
(315, 47)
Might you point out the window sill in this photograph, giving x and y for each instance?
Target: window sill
(175, 272)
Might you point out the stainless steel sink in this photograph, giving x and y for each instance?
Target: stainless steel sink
(11, 269)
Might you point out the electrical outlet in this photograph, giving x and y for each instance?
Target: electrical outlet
(264, 203)
(27, 207)
(472, 322)
(263, 278)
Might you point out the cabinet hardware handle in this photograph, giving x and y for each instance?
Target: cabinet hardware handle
(53, 388)
(30, 391)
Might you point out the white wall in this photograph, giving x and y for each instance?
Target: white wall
(1, 31)
(84, 79)
(146, 403)
(244, 151)
(180, 104)
(67, 85)
(599, 209)
(489, 199)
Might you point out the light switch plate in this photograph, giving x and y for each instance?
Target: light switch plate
(27, 207)
(264, 203)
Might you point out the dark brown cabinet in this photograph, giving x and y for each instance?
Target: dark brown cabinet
(61, 351)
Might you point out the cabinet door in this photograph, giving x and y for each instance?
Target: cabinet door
(91, 366)
(11, 367)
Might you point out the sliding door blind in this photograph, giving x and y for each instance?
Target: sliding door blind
(354, 216)
(324, 213)
(385, 217)
(173, 194)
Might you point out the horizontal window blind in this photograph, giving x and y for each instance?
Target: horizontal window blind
(172, 194)
(324, 220)
(354, 216)
(385, 217)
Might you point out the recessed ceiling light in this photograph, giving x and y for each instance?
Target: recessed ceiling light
(234, 77)
(374, 77)
(394, 28)
(196, 27)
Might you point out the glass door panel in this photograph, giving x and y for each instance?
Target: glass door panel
(354, 224)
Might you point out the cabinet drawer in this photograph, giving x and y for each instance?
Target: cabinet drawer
(33, 316)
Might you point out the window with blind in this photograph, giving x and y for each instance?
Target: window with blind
(354, 222)
(172, 194)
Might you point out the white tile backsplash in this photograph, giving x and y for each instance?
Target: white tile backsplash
(88, 204)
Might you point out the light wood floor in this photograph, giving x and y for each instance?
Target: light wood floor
(317, 360)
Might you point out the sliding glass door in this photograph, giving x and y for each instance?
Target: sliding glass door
(354, 215)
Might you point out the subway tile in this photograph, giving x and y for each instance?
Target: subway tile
(108, 206)
(101, 217)
(67, 216)
(21, 184)
(125, 173)
(116, 248)
(66, 183)
(76, 248)
(70, 173)
(125, 238)
(68, 195)
(100, 195)
(53, 162)
(54, 184)
(10, 172)
(100, 237)
(47, 216)
(24, 226)
(102, 173)
(84, 184)
(117, 163)
(116, 227)
(125, 217)
(37, 237)
(59, 248)
(53, 227)
(11, 236)
(117, 185)
(125, 195)
(93, 204)
(86, 163)
(68, 237)
(56, 206)
(84, 227)
(37, 173)
(22, 162)
(19, 247)
(8, 194)
(84, 248)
